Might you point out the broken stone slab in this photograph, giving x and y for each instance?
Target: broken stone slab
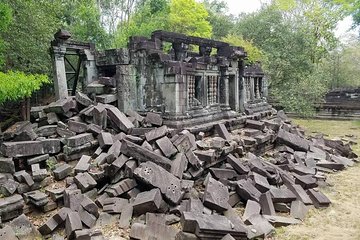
(77, 127)
(216, 196)
(23, 176)
(100, 116)
(87, 218)
(292, 140)
(222, 131)
(8, 233)
(79, 139)
(330, 165)
(38, 174)
(193, 160)
(11, 207)
(121, 187)
(156, 176)
(126, 216)
(149, 201)
(251, 208)
(255, 124)
(318, 198)
(24, 229)
(185, 143)
(15, 129)
(298, 210)
(73, 198)
(106, 98)
(61, 106)
(166, 146)
(261, 225)
(37, 159)
(156, 133)
(46, 131)
(83, 164)
(260, 182)
(86, 234)
(37, 198)
(9, 187)
(62, 171)
(72, 223)
(300, 193)
(206, 156)
(179, 165)
(83, 99)
(247, 191)
(222, 173)
(7, 165)
(154, 119)
(239, 166)
(282, 195)
(280, 221)
(90, 206)
(267, 206)
(30, 148)
(84, 181)
(142, 154)
(114, 205)
(119, 119)
(105, 140)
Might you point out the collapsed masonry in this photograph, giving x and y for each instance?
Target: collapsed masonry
(93, 165)
(185, 87)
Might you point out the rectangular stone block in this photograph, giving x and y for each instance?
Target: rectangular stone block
(239, 166)
(77, 127)
(105, 140)
(120, 120)
(149, 201)
(154, 119)
(7, 165)
(84, 181)
(156, 133)
(37, 159)
(247, 191)
(179, 165)
(62, 171)
(80, 139)
(166, 146)
(222, 131)
(73, 223)
(83, 164)
(216, 196)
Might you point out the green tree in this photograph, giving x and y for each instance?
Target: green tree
(5, 20)
(189, 17)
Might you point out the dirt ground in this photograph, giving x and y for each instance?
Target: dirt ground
(342, 219)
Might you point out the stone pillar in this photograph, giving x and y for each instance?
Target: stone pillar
(265, 87)
(242, 94)
(252, 88)
(224, 88)
(126, 87)
(60, 83)
(90, 69)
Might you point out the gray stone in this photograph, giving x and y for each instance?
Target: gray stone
(240, 167)
(193, 160)
(15, 129)
(280, 221)
(121, 187)
(267, 206)
(72, 223)
(73, 198)
(37, 159)
(30, 148)
(216, 195)
(114, 205)
(80, 139)
(135, 115)
(83, 99)
(100, 116)
(106, 98)
(95, 88)
(49, 226)
(9, 187)
(154, 119)
(61, 215)
(90, 206)
(166, 146)
(120, 120)
(247, 191)
(251, 208)
(7, 233)
(11, 207)
(87, 218)
(77, 127)
(261, 182)
(222, 131)
(83, 164)
(255, 124)
(149, 201)
(23, 176)
(222, 173)
(156, 133)
(84, 181)
(61, 106)
(62, 171)
(179, 165)
(294, 141)
(7, 165)
(126, 216)
(318, 198)
(142, 154)
(156, 176)
(46, 131)
(260, 224)
(24, 229)
(105, 140)
(298, 210)
(38, 174)
(282, 195)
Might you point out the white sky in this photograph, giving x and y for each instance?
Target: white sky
(248, 6)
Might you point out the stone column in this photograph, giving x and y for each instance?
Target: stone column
(265, 87)
(60, 83)
(252, 88)
(224, 88)
(90, 69)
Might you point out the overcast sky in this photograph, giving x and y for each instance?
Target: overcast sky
(248, 6)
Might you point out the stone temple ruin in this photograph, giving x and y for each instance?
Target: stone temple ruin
(186, 87)
(157, 147)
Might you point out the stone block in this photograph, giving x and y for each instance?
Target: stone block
(237, 164)
(156, 176)
(216, 196)
(142, 154)
(61, 215)
(87, 218)
(24, 229)
(267, 206)
(166, 146)
(106, 98)
(318, 198)
(83, 99)
(207, 156)
(7, 165)
(22, 149)
(149, 201)
(49, 226)
(95, 88)
(222, 173)
(100, 116)
(135, 115)
(77, 127)
(251, 208)
(260, 224)
(24, 177)
(37, 159)
(38, 174)
(247, 191)
(193, 160)
(90, 206)
(114, 205)
(7, 233)
(126, 216)
(83, 164)
(73, 198)
(72, 223)
(280, 221)
(156, 133)
(222, 131)
(282, 195)
(179, 165)
(11, 207)
(154, 119)
(46, 131)
(61, 106)
(255, 124)
(120, 120)
(121, 187)
(261, 182)
(62, 171)
(84, 181)
(9, 187)
(292, 140)
(79, 139)
(105, 140)
(298, 210)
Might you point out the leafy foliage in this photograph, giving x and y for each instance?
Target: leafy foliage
(18, 85)
(5, 20)
(254, 53)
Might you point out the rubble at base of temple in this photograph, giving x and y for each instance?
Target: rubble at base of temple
(90, 165)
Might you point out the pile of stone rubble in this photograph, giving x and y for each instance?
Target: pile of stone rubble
(89, 162)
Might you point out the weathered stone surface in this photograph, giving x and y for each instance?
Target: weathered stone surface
(280, 221)
(142, 154)
(7, 233)
(16, 129)
(240, 167)
(154, 119)
(298, 210)
(179, 165)
(61, 215)
(38, 174)
(77, 127)
(30, 148)
(261, 182)
(260, 225)
(120, 120)
(121, 187)
(247, 191)
(255, 124)
(156, 133)
(166, 146)
(293, 140)
(105, 140)
(37, 159)
(62, 171)
(24, 229)
(106, 98)
(318, 198)
(222, 131)
(267, 206)
(156, 176)
(251, 208)
(282, 195)
(7, 165)
(222, 173)
(149, 201)
(300, 193)
(23, 176)
(73, 223)
(9, 187)
(11, 207)
(61, 106)
(46, 131)
(79, 139)
(84, 181)
(83, 99)
(216, 195)
(193, 160)
(83, 164)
